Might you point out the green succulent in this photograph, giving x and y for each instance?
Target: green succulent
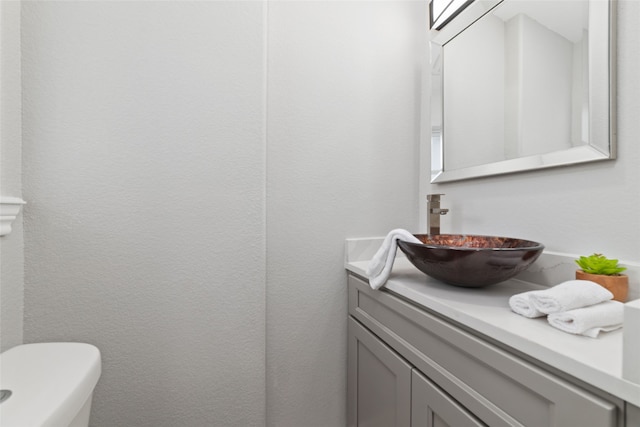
(599, 264)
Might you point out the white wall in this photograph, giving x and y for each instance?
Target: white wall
(578, 209)
(193, 169)
(144, 165)
(11, 245)
(343, 134)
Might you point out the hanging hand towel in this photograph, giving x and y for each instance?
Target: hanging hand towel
(522, 305)
(381, 264)
(569, 295)
(590, 321)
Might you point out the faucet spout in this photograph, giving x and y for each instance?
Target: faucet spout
(438, 211)
(434, 212)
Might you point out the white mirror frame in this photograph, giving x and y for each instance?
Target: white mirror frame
(602, 115)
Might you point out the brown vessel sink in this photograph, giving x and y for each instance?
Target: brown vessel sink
(471, 261)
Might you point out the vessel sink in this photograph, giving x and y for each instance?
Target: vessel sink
(470, 261)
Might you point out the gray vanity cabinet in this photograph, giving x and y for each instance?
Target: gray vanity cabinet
(410, 367)
(381, 382)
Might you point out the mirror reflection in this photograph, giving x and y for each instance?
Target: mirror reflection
(524, 86)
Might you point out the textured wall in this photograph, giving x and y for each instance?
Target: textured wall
(144, 169)
(11, 246)
(578, 209)
(344, 92)
(152, 132)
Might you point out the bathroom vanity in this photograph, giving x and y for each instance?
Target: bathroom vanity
(422, 353)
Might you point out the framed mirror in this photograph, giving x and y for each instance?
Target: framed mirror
(519, 85)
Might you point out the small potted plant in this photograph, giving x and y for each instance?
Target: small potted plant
(605, 272)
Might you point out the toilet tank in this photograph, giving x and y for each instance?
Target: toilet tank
(51, 384)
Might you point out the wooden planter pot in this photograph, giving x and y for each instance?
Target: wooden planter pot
(617, 285)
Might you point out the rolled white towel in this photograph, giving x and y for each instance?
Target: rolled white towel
(522, 305)
(589, 321)
(569, 295)
(380, 266)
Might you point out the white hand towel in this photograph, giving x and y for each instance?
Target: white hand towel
(589, 321)
(522, 305)
(569, 295)
(381, 264)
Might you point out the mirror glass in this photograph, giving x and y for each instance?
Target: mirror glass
(519, 85)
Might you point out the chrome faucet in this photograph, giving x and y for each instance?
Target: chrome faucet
(434, 212)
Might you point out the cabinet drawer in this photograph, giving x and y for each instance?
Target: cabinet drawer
(496, 386)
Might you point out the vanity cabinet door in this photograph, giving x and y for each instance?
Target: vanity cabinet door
(379, 382)
(432, 407)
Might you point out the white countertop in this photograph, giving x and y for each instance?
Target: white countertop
(486, 310)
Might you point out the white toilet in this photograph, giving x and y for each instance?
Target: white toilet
(48, 384)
